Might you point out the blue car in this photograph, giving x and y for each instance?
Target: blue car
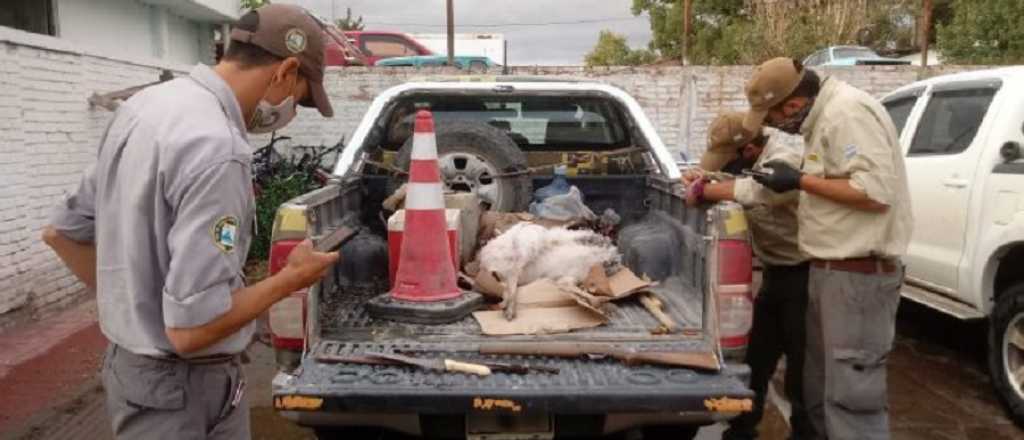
(849, 56)
(467, 62)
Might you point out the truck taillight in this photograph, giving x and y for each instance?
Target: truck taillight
(735, 296)
(288, 316)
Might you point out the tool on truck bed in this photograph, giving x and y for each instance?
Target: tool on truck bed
(378, 359)
(703, 361)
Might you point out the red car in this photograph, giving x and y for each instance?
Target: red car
(373, 45)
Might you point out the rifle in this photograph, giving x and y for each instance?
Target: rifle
(698, 360)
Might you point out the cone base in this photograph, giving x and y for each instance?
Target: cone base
(438, 312)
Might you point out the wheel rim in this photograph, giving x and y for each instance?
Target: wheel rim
(1013, 353)
(464, 172)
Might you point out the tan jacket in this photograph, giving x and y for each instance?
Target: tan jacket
(849, 135)
(772, 216)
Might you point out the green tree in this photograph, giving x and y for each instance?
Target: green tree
(983, 32)
(612, 50)
(253, 4)
(750, 31)
(349, 23)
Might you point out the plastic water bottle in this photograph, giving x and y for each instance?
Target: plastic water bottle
(557, 187)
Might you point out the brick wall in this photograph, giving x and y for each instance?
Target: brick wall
(49, 133)
(679, 101)
(48, 136)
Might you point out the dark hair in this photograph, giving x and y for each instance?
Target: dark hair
(246, 54)
(760, 140)
(809, 86)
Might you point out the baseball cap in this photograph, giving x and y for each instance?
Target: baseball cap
(726, 136)
(772, 82)
(290, 31)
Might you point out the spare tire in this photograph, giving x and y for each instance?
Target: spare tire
(470, 154)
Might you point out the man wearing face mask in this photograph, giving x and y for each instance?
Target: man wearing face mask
(854, 219)
(160, 227)
(781, 304)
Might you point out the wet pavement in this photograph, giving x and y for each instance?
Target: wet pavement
(938, 388)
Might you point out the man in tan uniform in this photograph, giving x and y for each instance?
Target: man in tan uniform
(781, 305)
(855, 222)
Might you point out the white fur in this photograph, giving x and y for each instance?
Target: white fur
(528, 252)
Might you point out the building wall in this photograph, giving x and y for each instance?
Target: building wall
(132, 29)
(48, 136)
(49, 133)
(119, 25)
(183, 38)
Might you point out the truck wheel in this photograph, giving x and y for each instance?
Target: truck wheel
(670, 432)
(347, 433)
(470, 154)
(1006, 350)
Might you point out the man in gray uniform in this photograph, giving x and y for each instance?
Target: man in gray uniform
(855, 224)
(161, 225)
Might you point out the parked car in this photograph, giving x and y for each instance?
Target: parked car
(467, 62)
(962, 135)
(850, 56)
(701, 258)
(375, 46)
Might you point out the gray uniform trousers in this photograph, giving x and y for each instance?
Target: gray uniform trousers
(851, 321)
(150, 398)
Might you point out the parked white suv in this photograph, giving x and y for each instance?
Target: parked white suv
(962, 135)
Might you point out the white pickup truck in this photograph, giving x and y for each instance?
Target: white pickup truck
(499, 138)
(962, 135)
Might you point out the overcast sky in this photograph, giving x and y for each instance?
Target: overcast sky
(552, 44)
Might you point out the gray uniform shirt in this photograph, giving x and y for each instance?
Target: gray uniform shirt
(169, 205)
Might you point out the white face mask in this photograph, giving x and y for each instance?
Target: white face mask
(269, 117)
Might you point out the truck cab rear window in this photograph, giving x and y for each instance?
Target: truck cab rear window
(535, 123)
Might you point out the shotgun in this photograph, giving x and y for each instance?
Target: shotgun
(698, 360)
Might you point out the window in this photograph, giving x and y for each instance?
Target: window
(899, 110)
(29, 15)
(951, 121)
(534, 122)
(853, 52)
(387, 46)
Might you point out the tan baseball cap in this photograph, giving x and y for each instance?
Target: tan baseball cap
(772, 82)
(726, 136)
(290, 31)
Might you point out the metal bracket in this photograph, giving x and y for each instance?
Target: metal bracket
(112, 100)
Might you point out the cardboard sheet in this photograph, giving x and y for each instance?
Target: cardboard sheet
(534, 321)
(623, 284)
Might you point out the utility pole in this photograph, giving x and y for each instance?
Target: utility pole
(687, 17)
(926, 30)
(451, 33)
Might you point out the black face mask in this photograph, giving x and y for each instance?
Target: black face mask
(737, 165)
(792, 124)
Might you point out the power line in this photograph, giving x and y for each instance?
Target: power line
(496, 25)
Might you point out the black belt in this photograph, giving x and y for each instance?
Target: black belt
(212, 359)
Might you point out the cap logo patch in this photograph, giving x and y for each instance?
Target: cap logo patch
(769, 96)
(225, 233)
(737, 137)
(295, 40)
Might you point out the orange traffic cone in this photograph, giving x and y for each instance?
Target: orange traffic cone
(425, 290)
(425, 271)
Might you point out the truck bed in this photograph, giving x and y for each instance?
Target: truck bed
(343, 319)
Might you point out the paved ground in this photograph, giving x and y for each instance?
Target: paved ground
(938, 386)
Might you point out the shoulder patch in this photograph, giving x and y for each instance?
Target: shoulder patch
(849, 151)
(225, 233)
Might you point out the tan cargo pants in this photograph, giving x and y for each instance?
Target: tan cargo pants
(851, 321)
(150, 398)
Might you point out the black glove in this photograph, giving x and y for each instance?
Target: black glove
(781, 178)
